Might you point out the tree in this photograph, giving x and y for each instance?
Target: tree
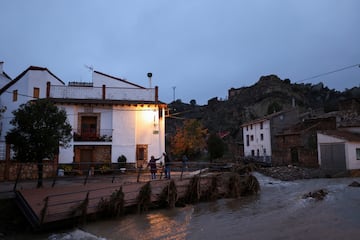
(274, 107)
(189, 139)
(216, 146)
(40, 128)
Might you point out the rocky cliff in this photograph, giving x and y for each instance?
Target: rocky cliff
(266, 96)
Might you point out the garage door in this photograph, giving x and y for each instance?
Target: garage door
(333, 156)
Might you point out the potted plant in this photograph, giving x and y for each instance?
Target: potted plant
(122, 163)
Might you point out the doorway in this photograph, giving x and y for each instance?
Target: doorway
(86, 157)
(141, 155)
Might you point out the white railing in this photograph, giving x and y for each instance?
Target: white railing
(111, 93)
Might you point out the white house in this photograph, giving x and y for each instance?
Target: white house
(109, 116)
(29, 85)
(259, 134)
(338, 150)
(257, 138)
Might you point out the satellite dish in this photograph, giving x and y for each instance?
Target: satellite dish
(149, 74)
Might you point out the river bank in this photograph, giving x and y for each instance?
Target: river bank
(196, 187)
(291, 173)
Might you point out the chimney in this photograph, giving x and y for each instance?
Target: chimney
(156, 93)
(149, 76)
(103, 91)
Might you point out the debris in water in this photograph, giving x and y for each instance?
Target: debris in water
(354, 184)
(318, 195)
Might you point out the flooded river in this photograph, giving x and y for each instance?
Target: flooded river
(279, 211)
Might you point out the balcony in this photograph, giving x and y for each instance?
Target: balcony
(104, 135)
(104, 93)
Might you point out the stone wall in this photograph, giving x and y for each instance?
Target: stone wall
(29, 171)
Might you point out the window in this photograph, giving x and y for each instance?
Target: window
(89, 126)
(257, 152)
(247, 140)
(261, 136)
(251, 126)
(358, 154)
(252, 153)
(247, 128)
(36, 93)
(15, 95)
(252, 137)
(261, 125)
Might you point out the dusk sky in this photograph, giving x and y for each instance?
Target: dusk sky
(201, 47)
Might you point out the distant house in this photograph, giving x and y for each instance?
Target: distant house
(298, 144)
(259, 134)
(110, 116)
(338, 150)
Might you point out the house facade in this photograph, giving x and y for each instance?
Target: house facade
(338, 151)
(110, 116)
(298, 144)
(259, 134)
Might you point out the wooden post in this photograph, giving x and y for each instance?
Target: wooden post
(138, 176)
(44, 210)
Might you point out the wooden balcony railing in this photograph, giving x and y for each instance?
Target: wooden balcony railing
(104, 135)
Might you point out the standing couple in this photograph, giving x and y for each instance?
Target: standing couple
(153, 167)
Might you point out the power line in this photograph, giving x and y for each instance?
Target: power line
(327, 73)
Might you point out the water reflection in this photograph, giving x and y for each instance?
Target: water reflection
(159, 224)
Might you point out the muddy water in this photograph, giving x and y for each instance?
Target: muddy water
(278, 212)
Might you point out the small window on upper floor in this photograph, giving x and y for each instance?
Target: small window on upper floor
(261, 125)
(36, 93)
(261, 137)
(15, 95)
(358, 154)
(251, 126)
(252, 137)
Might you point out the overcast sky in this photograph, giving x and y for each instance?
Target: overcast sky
(201, 47)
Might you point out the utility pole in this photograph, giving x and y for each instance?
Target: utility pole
(174, 93)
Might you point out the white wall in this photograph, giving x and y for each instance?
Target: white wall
(351, 161)
(124, 139)
(148, 130)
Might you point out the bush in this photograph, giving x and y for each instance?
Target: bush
(122, 161)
